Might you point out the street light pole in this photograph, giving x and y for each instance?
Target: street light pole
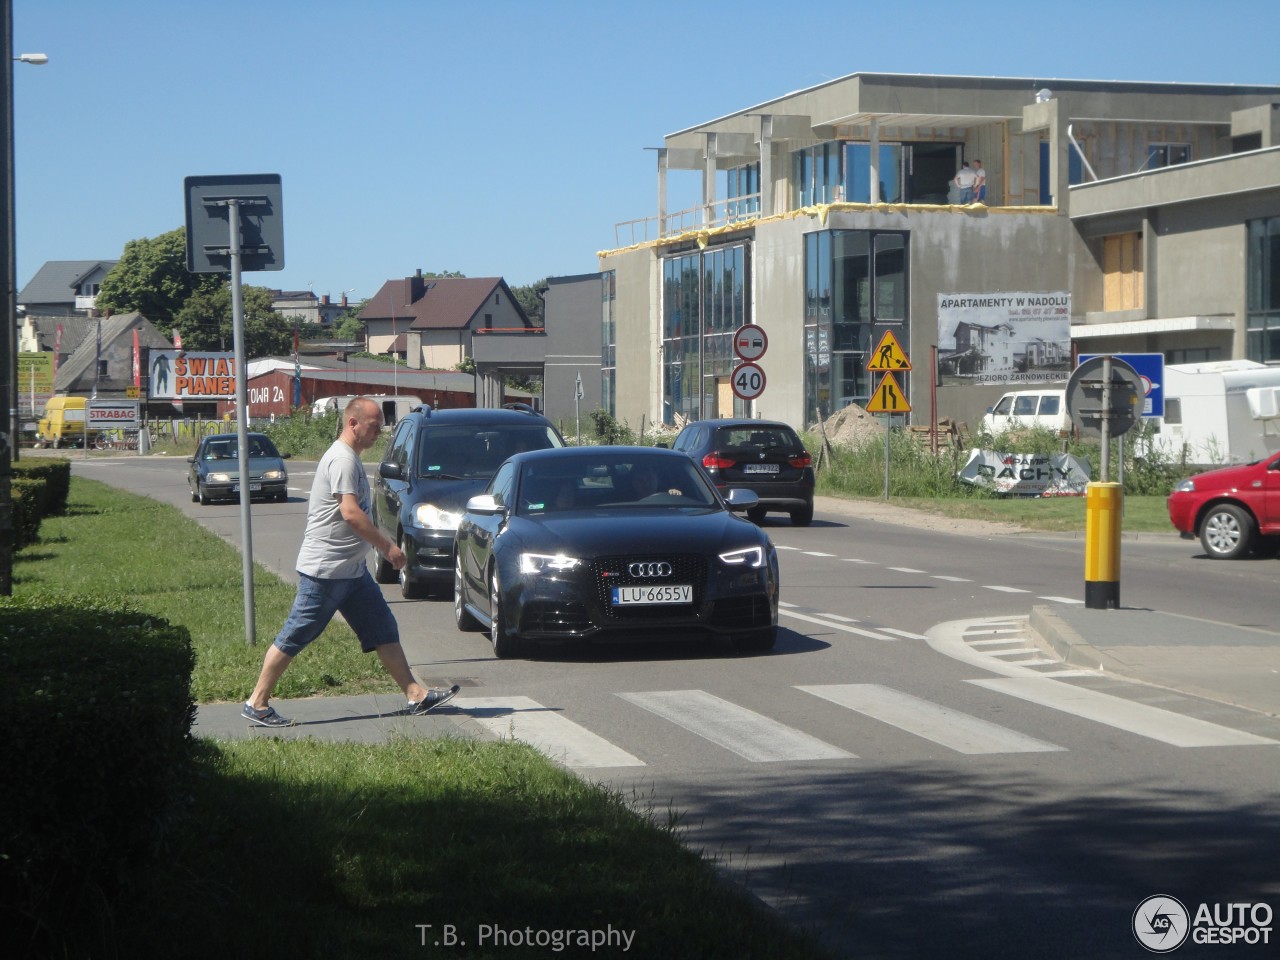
(9, 339)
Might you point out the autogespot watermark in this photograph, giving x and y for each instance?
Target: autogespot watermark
(1162, 924)
(555, 940)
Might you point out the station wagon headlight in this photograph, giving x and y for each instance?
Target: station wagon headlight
(750, 557)
(219, 478)
(273, 475)
(430, 517)
(538, 563)
(1186, 486)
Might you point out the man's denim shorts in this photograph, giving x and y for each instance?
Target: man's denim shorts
(360, 602)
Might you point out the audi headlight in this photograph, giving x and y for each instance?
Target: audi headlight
(430, 517)
(273, 475)
(1186, 486)
(750, 557)
(539, 563)
(219, 478)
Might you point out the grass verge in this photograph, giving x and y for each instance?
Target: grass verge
(302, 849)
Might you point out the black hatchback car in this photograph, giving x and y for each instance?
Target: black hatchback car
(764, 456)
(434, 462)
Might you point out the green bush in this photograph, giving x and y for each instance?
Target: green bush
(609, 432)
(96, 708)
(56, 475)
(28, 510)
(302, 435)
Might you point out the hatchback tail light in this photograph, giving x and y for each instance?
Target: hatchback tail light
(714, 461)
(803, 460)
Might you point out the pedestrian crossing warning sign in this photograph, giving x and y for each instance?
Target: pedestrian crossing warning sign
(889, 355)
(888, 397)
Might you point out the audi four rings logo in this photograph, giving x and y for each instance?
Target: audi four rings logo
(662, 569)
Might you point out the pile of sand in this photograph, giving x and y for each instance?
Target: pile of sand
(852, 426)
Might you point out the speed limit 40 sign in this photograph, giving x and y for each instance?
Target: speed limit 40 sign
(747, 380)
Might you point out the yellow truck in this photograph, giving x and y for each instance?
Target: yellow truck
(63, 423)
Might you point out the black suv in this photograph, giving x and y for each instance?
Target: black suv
(763, 456)
(434, 463)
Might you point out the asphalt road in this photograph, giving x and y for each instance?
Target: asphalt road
(898, 801)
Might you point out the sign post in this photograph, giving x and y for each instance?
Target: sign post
(1104, 398)
(888, 396)
(235, 223)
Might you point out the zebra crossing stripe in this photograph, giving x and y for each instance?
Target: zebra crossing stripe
(1146, 721)
(748, 734)
(931, 721)
(543, 728)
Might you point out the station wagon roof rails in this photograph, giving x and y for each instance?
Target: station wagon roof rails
(520, 407)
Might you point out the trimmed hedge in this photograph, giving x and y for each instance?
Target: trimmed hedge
(28, 510)
(56, 475)
(95, 702)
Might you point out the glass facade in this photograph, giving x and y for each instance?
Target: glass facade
(742, 188)
(609, 342)
(855, 290)
(841, 171)
(704, 300)
(1262, 341)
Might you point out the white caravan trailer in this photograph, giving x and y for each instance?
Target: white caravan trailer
(1218, 413)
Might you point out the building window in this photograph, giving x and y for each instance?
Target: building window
(1262, 338)
(855, 289)
(1122, 279)
(1167, 154)
(1191, 355)
(609, 343)
(815, 175)
(742, 188)
(704, 300)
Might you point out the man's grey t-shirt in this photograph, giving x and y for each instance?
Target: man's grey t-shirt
(330, 548)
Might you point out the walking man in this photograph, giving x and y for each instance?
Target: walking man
(333, 575)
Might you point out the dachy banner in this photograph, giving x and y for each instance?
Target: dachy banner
(1004, 338)
(1027, 474)
(182, 375)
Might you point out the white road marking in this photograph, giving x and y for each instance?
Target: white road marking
(951, 579)
(906, 570)
(545, 729)
(934, 722)
(836, 626)
(815, 553)
(905, 633)
(1139, 718)
(779, 546)
(1006, 589)
(1061, 599)
(744, 732)
(853, 560)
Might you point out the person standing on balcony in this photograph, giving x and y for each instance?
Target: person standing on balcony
(964, 181)
(979, 182)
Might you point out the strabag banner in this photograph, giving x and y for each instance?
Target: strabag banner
(185, 375)
(1027, 474)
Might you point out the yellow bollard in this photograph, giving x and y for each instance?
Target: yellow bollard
(1102, 512)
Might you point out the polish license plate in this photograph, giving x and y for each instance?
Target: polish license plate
(760, 468)
(626, 596)
(253, 487)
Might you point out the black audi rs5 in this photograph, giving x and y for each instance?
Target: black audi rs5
(612, 543)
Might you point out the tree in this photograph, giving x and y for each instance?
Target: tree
(349, 326)
(528, 298)
(152, 278)
(205, 323)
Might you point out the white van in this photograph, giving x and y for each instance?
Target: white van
(1027, 409)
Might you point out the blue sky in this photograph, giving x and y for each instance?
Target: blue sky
(497, 138)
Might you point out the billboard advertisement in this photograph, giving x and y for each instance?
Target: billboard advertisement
(179, 375)
(1004, 338)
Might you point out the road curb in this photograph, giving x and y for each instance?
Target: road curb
(1074, 649)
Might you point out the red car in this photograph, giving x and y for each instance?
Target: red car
(1232, 510)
